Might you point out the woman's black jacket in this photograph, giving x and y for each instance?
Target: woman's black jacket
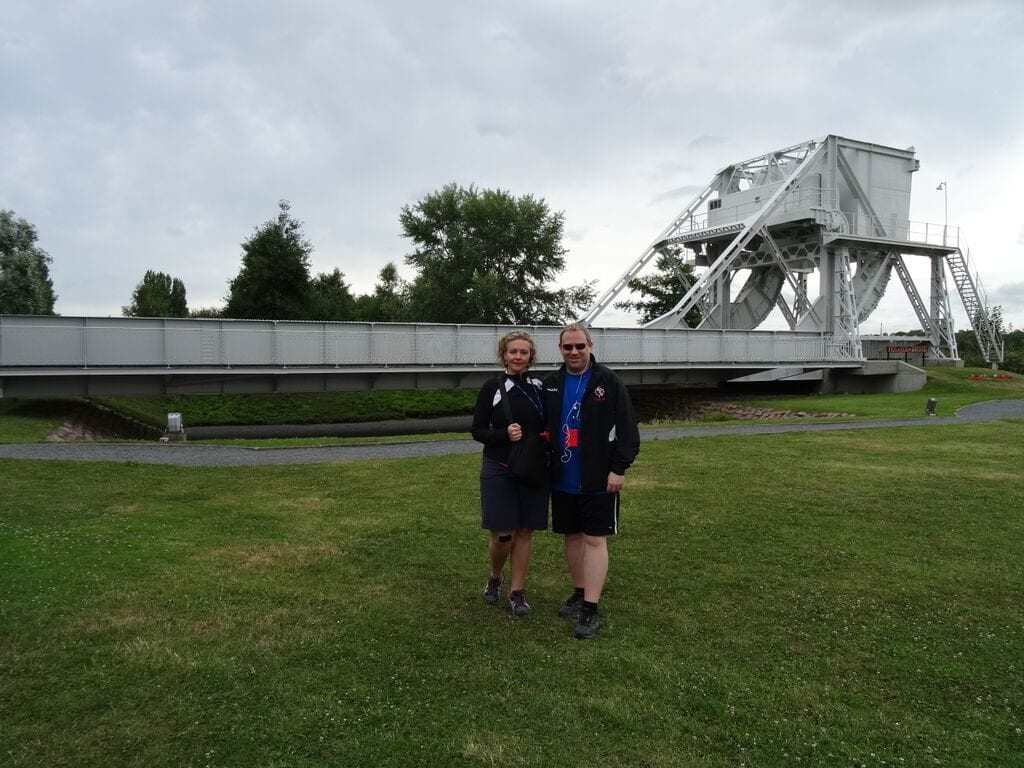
(490, 425)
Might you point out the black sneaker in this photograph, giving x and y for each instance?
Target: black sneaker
(517, 603)
(571, 608)
(492, 592)
(586, 626)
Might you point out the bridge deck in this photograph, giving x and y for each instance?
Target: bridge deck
(49, 356)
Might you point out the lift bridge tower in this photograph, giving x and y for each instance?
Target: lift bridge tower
(833, 208)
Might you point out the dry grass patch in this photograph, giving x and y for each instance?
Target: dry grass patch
(273, 555)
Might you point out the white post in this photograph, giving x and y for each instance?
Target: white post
(945, 209)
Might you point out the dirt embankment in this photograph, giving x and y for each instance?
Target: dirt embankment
(659, 405)
(90, 421)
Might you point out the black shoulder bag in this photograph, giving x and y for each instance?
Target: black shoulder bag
(527, 457)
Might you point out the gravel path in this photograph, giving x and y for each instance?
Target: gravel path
(184, 454)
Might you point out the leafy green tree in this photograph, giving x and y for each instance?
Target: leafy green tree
(660, 291)
(389, 301)
(330, 297)
(25, 284)
(273, 283)
(207, 312)
(970, 352)
(967, 342)
(158, 295)
(1013, 352)
(485, 256)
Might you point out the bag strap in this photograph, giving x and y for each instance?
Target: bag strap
(504, 400)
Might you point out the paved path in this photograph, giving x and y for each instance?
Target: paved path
(184, 454)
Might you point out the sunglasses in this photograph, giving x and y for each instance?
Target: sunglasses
(571, 347)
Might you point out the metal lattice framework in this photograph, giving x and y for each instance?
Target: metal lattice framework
(830, 206)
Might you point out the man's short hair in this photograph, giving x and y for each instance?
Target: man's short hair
(581, 327)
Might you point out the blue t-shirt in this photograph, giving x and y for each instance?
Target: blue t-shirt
(570, 479)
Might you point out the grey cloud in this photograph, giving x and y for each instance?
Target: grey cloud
(159, 135)
(486, 128)
(702, 143)
(1008, 293)
(681, 194)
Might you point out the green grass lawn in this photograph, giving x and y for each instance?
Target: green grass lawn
(952, 387)
(826, 599)
(30, 421)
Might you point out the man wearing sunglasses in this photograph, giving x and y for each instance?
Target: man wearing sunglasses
(594, 439)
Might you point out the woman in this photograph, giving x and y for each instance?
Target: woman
(510, 510)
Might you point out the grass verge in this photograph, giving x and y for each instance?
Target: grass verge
(952, 387)
(856, 603)
(32, 421)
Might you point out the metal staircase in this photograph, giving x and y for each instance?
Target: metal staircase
(975, 302)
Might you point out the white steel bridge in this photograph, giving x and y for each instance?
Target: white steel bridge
(89, 356)
(832, 209)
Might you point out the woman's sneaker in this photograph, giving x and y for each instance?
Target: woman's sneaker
(492, 592)
(571, 608)
(517, 603)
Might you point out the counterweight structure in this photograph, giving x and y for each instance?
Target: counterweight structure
(833, 208)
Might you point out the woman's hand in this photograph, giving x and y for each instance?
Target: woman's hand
(515, 432)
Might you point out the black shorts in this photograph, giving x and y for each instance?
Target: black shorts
(594, 514)
(505, 504)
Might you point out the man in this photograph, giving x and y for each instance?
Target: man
(595, 439)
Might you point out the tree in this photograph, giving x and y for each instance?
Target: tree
(389, 301)
(25, 284)
(662, 290)
(1013, 352)
(330, 298)
(207, 312)
(967, 341)
(273, 283)
(158, 295)
(484, 256)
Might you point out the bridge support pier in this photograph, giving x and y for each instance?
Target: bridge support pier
(874, 377)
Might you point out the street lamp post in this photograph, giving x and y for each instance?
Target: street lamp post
(945, 208)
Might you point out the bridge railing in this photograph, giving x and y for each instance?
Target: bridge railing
(86, 342)
(911, 231)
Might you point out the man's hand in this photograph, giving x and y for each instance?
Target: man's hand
(515, 432)
(615, 482)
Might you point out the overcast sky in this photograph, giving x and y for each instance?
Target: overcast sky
(159, 135)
